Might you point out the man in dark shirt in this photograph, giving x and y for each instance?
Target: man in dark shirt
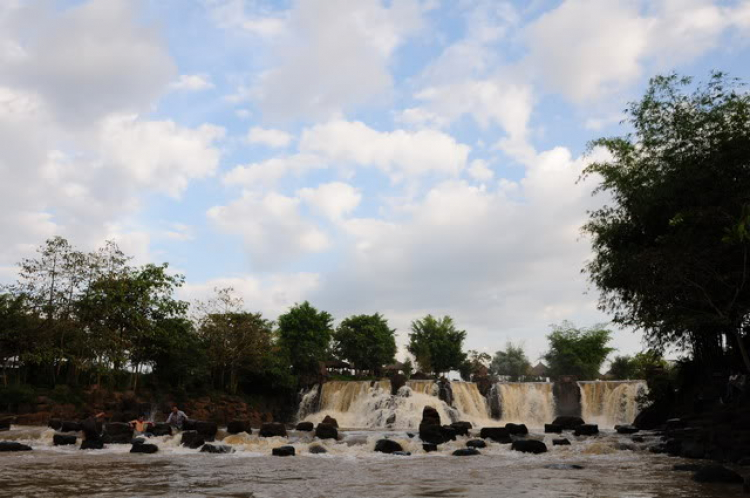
(91, 429)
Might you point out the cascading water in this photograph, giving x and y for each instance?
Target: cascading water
(308, 402)
(468, 400)
(609, 403)
(530, 403)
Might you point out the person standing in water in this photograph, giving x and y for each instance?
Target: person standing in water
(177, 418)
(90, 427)
(140, 426)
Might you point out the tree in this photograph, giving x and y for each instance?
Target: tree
(305, 334)
(408, 368)
(437, 344)
(512, 362)
(475, 365)
(623, 368)
(671, 248)
(366, 341)
(577, 351)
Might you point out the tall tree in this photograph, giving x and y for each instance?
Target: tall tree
(577, 351)
(366, 341)
(305, 334)
(671, 245)
(510, 362)
(623, 368)
(437, 344)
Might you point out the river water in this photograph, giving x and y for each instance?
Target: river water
(350, 469)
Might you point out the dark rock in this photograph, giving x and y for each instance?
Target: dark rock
(331, 421)
(429, 447)
(391, 420)
(560, 442)
(317, 449)
(517, 429)
(466, 452)
(192, 440)
(430, 433)
(207, 429)
(117, 439)
(13, 446)
(448, 433)
(397, 382)
(626, 447)
(326, 431)
(693, 449)
(63, 439)
(55, 423)
(138, 440)
(410, 435)
(568, 423)
(305, 426)
(216, 448)
(675, 423)
(237, 426)
(567, 397)
(626, 429)
(650, 418)
(272, 429)
(161, 429)
(687, 467)
(430, 416)
(401, 453)
(552, 429)
(119, 429)
(189, 425)
(563, 466)
(586, 430)
(387, 446)
(638, 439)
(717, 473)
(67, 426)
(283, 451)
(529, 446)
(476, 443)
(461, 428)
(497, 434)
(5, 423)
(92, 444)
(144, 448)
(673, 447)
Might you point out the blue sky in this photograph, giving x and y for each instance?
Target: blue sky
(400, 156)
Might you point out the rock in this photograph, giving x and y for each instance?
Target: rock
(118, 428)
(13, 446)
(272, 429)
(673, 447)
(430, 433)
(192, 440)
(552, 429)
(283, 451)
(387, 446)
(586, 430)
(430, 416)
(207, 429)
(675, 423)
(401, 453)
(410, 435)
(497, 434)
(626, 429)
(568, 423)
(626, 447)
(717, 473)
(391, 420)
(397, 382)
(687, 467)
(563, 466)
(326, 431)
(517, 429)
(67, 426)
(64, 439)
(237, 426)
(461, 428)
(330, 420)
(55, 423)
(429, 447)
(448, 433)
(161, 429)
(317, 449)
(92, 444)
(216, 448)
(305, 426)
(144, 448)
(693, 449)
(560, 442)
(118, 439)
(529, 446)
(476, 443)
(650, 418)
(138, 440)
(638, 439)
(5, 423)
(466, 452)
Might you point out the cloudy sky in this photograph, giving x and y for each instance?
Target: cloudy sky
(400, 156)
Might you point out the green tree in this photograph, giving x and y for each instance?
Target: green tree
(475, 365)
(577, 351)
(623, 368)
(305, 334)
(437, 344)
(671, 245)
(366, 341)
(511, 362)
(408, 368)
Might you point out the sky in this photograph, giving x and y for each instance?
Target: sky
(401, 156)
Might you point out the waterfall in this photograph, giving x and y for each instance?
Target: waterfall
(468, 400)
(609, 403)
(308, 402)
(428, 387)
(530, 403)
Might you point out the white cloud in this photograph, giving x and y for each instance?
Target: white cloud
(192, 82)
(268, 172)
(234, 15)
(479, 170)
(269, 137)
(332, 200)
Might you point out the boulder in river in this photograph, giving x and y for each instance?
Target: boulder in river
(586, 430)
(430, 416)
(568, 423)
(560, 442)
(272, 429)
(448, 433)
(466, 452)
(326, 431)
(161, 429)
(552, 429)
(429, 447)
(216, 448)
(330, 420)
(529, 446)
(563, 466)
(68, 426)
(237, 426)
(13, 446)
(497, 434)
(626, 429)
(144, 448)
(387, 446)
(207, 430)
(476, 443)
(317, 449)
(517, 429)
(305, 426)
(430, 433)
(5, 423)
(401, 453)
(92, 444)
(64, 439)
(117, 433)
(461, 428)
(717, 473)
(192, 440)
(55, 423)
(283, 451)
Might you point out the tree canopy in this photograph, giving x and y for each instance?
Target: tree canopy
(511, 362)
(305, 333)
(366, 341)
(437, 344)
(577, 351)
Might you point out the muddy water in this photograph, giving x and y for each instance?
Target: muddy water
(350, 469)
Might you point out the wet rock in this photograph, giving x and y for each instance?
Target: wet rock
(144, 448)
(305, 426)
(552, 429)
(430, 416)
(410, 435)
(397, 382)
(5, 423)
(207, 429)
(626, 447)
(476, 443)
(326, 431)
(626, 429)
(192, 440)
(391, 420)
(401, 453)
(119, 439)
(687, 467)
(461, 428)
(92, 444)
(717, 473)
(560, 442)
(517, 429)
(331, 421)
(237, 426)
(283, 451)
(563, 466)
(568, 423)
(448, 433)
(387, 446)
(429, 447)
(216, 448)
(693, 449)
(68, 426)
(466, 452)
(675, 423)
(638, 439)
(430, 433)
(586, 430)
(673, 447)
(272, 429)
(55, 423)
(497, 434)
(161, 429)
(529, 446)
(117, 433)
(317, 449)
(13, 446)
(64, 439)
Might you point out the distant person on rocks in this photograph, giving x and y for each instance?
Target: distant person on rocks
(177, 418)
(90, 427)
(140, 426)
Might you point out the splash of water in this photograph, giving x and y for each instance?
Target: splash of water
(467, 400)
(609, 403)
(530, 403)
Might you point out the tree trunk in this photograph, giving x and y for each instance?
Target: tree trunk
(743, 350)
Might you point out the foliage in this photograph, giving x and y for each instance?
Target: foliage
(437, 344)
(671, 247)
(475, 365)
(577, 351)
(305, 334)
(408, 368)
(511, 362)
(366, 341)
(623, 368)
